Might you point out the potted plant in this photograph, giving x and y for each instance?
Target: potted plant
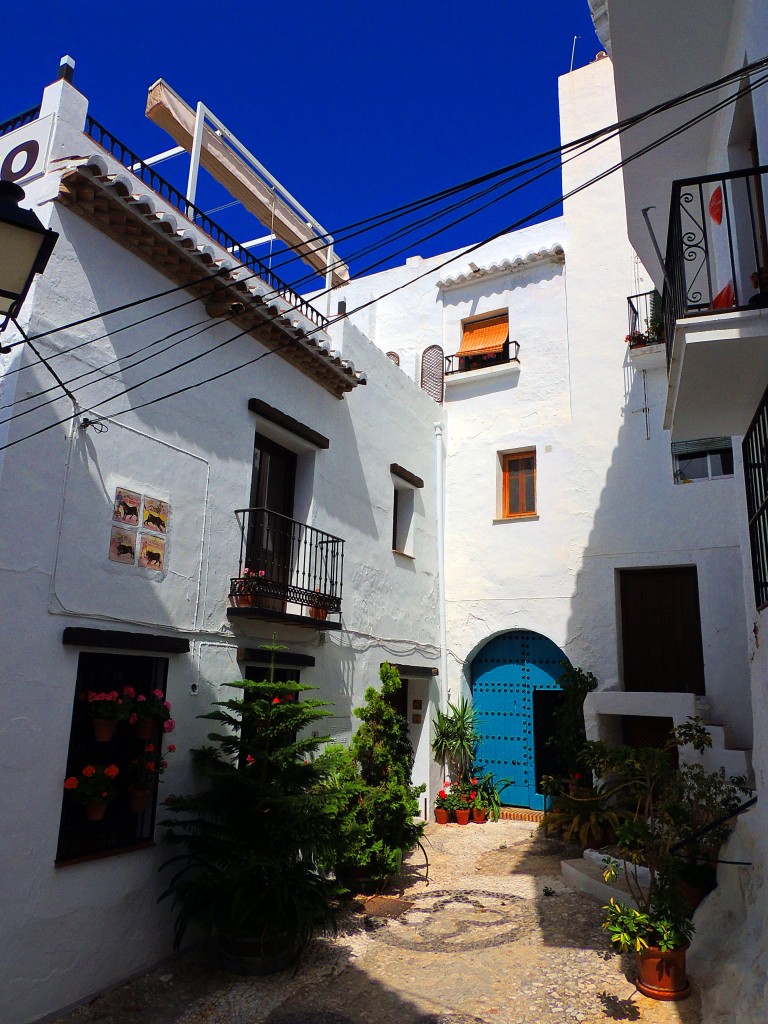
(141, 774)
(253, 837)
(107, 709)
(489, 791)
(151, 713)
(480, 807)
(590, 818)
(455, 739)
(659, 928)
(443, 804)
(94, 788)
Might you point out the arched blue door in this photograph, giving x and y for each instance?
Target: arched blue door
(514, 680)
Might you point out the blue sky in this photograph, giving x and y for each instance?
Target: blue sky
(355, 107)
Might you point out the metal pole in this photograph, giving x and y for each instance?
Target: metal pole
(197, 144)
(655, 244)
(573, 51)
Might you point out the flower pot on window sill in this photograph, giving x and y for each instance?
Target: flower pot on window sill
(138, 798)
(96, 809)
(244, 600)
(145, 728)
(104, 729)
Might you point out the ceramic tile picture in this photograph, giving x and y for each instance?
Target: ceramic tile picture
(122, 545)
(127, 506)
(156, 514)
(152, 552)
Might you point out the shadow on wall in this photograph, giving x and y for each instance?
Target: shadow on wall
(644, 520)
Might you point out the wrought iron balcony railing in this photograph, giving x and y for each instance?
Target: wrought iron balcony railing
(21, 119)
(717, 246)
(646, 324)
(459, 363)
(163, 188)
(283, 562)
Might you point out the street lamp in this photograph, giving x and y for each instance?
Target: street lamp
(25, 246)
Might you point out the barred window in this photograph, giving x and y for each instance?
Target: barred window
(755, 453)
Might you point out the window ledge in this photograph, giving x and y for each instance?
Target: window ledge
(510, 369)
(403, 554)
(517, 519)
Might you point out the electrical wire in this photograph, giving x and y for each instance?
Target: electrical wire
(431, 270)
(378, 219)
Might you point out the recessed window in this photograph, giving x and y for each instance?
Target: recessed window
(484, 342)
(519, 484)
(98, 746)
(704, 459)
(402, 520)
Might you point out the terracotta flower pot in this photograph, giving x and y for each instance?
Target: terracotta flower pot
(138, 799)
(317, 613)
(245, 600)
(104, 729)
(441, 816)
(661, 973)
(96, 809)
(479, 815)
(462, 816)
(145, 728)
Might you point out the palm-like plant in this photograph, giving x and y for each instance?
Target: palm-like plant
(455, 739)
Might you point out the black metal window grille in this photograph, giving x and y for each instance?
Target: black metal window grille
(755, 453)
(282, 559)
(645, 320)
(717, 246)
(163, 188)
(121, 828)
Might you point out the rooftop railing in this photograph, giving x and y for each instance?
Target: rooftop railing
(172, 195)
(717, 246)
(21, 119)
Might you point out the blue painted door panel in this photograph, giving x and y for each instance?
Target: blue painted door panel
(505, 674)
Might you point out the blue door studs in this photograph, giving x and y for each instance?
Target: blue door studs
(505, 674)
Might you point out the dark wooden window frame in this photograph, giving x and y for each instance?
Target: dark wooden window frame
(121, 830)
(755, 456)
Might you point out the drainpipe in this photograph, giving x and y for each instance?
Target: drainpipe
(440, 512)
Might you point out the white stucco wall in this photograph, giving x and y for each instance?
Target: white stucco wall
(72, 930)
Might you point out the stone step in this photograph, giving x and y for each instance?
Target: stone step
(588, 878)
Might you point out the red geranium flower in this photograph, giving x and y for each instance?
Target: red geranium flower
(442, 794)
(70, 783)
(110, 772)
(88, 771)
(171, 749)
(276, 700)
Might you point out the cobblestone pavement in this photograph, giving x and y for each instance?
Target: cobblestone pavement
(494, 936)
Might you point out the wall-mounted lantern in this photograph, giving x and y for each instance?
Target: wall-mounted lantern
(25, 246)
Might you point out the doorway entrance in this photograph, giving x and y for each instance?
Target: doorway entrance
(661, 630)
(270, 519)
(515, 692)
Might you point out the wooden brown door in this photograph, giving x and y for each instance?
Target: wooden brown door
(661, 630)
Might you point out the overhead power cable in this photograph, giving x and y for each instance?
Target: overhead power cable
(431, 270)
(379, 218)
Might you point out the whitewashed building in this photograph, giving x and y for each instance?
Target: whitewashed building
(573, 529)
(704, 192)
(489, 450)
(125, 522)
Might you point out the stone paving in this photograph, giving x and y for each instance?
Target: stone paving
(494, 936)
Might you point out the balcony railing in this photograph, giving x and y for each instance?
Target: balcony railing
(163, 188)
(283, 562)
(646, 324)
(459, 363)
(21, 119)
(717, 246)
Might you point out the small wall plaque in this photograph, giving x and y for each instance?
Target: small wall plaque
(417, 705)
(415, 719)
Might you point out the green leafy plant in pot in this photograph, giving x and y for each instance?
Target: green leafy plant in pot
(455, 738)
(659, 927)
(253, 837)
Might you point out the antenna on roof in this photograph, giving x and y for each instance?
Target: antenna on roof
(67, 68)
(573, 51)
